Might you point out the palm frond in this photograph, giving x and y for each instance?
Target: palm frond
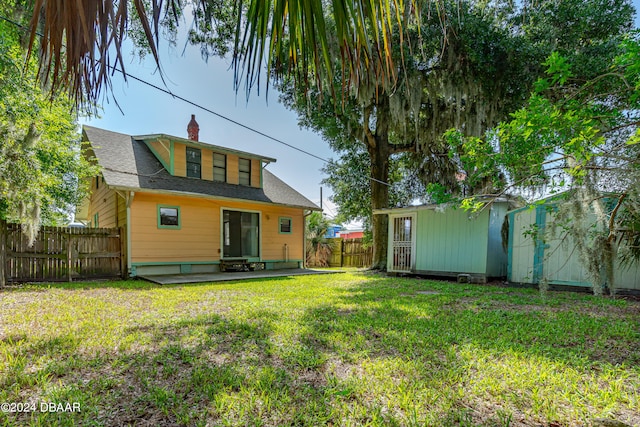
(77, 39)
(81, 40)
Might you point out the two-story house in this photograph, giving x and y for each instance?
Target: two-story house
(189, 207)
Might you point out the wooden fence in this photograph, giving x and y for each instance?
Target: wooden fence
(350, 253)
(60, 254)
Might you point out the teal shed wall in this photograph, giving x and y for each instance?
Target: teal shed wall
(454, 241)
(450, 242)
(552, 256)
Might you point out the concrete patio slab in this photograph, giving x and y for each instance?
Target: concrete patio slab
(173, 279)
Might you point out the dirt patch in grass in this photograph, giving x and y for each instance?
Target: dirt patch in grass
(630, 309)
(418, 293)
(310, 377)
(487, 413)
(343, 370)
(345, 312)
(482, 304)
(616, 352)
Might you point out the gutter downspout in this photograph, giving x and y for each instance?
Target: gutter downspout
(129, 200)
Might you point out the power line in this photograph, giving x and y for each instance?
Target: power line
(208, 110)
(330, 210)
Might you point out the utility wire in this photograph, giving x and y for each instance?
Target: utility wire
(208, 110)
(329, 209)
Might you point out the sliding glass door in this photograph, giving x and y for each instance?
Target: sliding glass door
(240, 234)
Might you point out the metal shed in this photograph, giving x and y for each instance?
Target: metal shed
(443, 240)
(549, 255)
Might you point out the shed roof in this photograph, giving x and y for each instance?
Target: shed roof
(431, 206)
(128, 164)
(556, 198)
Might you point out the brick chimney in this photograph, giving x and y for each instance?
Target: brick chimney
(193, 129)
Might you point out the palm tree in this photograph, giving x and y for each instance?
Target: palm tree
(318, 247)
(80, 38)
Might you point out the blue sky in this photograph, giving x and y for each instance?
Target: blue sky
(210, 84)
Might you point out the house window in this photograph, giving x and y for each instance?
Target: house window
(244, 175)
(194, 162)
(285, 225)
(168, 216)
(219, 167)
(96, 218)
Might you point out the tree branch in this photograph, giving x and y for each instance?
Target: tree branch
(613, 217)
(369, 138)
(401, 148)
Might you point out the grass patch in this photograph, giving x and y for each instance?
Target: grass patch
(347, 349)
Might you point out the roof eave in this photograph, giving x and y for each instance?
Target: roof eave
(207, 196)
(204, 145)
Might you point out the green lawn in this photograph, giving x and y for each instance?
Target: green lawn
(344, 349)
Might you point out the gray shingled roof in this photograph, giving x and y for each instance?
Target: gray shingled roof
(128, 164)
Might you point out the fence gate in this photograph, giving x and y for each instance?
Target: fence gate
(350, 253)
(402, 229)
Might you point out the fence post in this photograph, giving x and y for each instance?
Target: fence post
(3, 253)
(341, 252)
(69, 257)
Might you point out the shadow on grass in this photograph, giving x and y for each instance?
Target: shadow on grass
(130, 284)
(210, 369)
(572, 329)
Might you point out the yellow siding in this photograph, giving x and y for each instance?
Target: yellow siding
(273, 242)
(180, 164)
(104, 202)
(207, 165)
(196, 240)
(232, 169)
(162, 149)
(199, 238)
(179, 159)
(255, 172)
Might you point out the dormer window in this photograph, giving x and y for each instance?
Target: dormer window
(194, 162)
(219, 167)
(244, 173)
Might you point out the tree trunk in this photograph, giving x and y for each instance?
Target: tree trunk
(379, 200)
(379, 152)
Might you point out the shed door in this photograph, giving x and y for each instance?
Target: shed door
(402, 243)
